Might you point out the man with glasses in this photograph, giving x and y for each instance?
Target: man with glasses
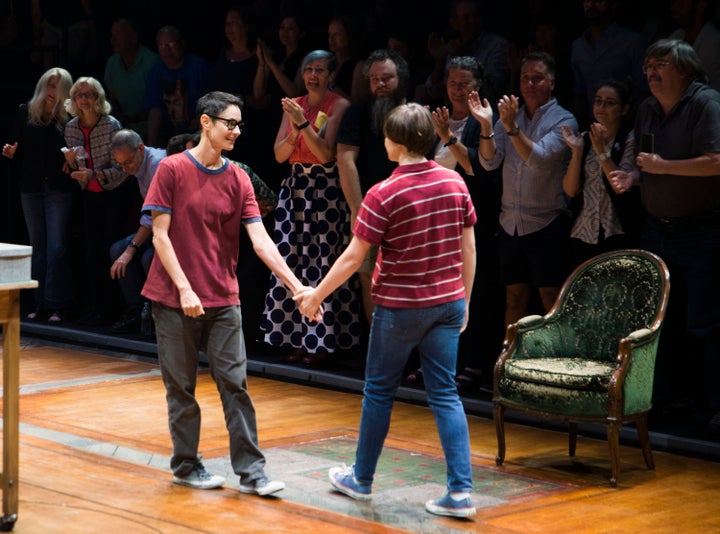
(677, 129)
(131, 255)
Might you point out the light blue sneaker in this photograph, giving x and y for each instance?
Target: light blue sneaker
(343, 479)
(448, 506)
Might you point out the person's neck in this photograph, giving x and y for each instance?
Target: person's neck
(207, 155)
(411, 159)
(459, 113)
(128, 57)
(88, 119)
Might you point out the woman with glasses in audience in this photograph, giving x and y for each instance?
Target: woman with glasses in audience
(312, 222)
(46, 192)
(605, 218)
(89, 161)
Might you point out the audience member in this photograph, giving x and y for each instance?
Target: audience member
(548, 34)
(421, 217)
(196, 304)
(281, 67)
(457, 148)
(604, 50)
(126, 73)
(680, 189)
(173, 86)
(466, 37)
(344, 40)
(607, 218)
(66, 32)
(234, 72)
(698, 27)
(131, 255)
(527, 142)
(403, 41)
(361, 156)
(312, 225)
(46, 192)
(88, 136)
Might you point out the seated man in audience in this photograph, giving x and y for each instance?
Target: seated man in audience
(131, 256)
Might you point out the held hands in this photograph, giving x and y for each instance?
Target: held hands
(9, 150)
(309, 304)
(481, 110)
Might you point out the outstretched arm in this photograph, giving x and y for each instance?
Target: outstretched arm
(310, 301)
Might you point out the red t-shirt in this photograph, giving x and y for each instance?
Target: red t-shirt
(208, 208)
(417, 217)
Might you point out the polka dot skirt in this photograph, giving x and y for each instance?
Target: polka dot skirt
(312, 228)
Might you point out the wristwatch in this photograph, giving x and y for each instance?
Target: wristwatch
(134, 245)
(514, 131)
(452, 141)
(603, 156)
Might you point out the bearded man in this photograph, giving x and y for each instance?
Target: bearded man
(361, 156)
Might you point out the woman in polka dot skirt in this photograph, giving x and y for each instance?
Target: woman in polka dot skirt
(312, 223)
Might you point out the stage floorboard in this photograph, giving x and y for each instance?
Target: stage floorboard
(94, 453)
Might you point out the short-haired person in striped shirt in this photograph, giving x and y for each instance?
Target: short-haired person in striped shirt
(422, 218)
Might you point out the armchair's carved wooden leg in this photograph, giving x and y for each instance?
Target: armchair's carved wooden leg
(644, 439)
(613, 433)
(499, 417)
(572, 438)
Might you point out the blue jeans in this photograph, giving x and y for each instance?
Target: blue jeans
(394, 333)
(136, 271)
(46, 217)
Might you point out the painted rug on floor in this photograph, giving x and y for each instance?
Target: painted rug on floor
(404, 481)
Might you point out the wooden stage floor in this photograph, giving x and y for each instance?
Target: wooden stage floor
(94, 449)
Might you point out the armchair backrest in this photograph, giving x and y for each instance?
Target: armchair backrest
(608, 297)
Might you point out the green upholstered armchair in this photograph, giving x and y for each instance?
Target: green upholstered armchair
(592, 357)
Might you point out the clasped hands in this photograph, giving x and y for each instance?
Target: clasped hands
(309, 303)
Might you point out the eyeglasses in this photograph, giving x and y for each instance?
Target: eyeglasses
(655, 65)
(89, 95)
(128, 162)
(172, 45)
(600, 103)
(231, 124)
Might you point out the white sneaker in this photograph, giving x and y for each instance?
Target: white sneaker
(199, 478)
(262, 486)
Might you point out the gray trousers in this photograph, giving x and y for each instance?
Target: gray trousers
(219, 334)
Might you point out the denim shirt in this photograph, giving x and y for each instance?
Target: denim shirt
(532, 193)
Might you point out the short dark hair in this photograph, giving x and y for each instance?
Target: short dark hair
(215, 102)
(412, 126)
(542, 57)
(326, 55)
(683, 56)
(401, 66)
